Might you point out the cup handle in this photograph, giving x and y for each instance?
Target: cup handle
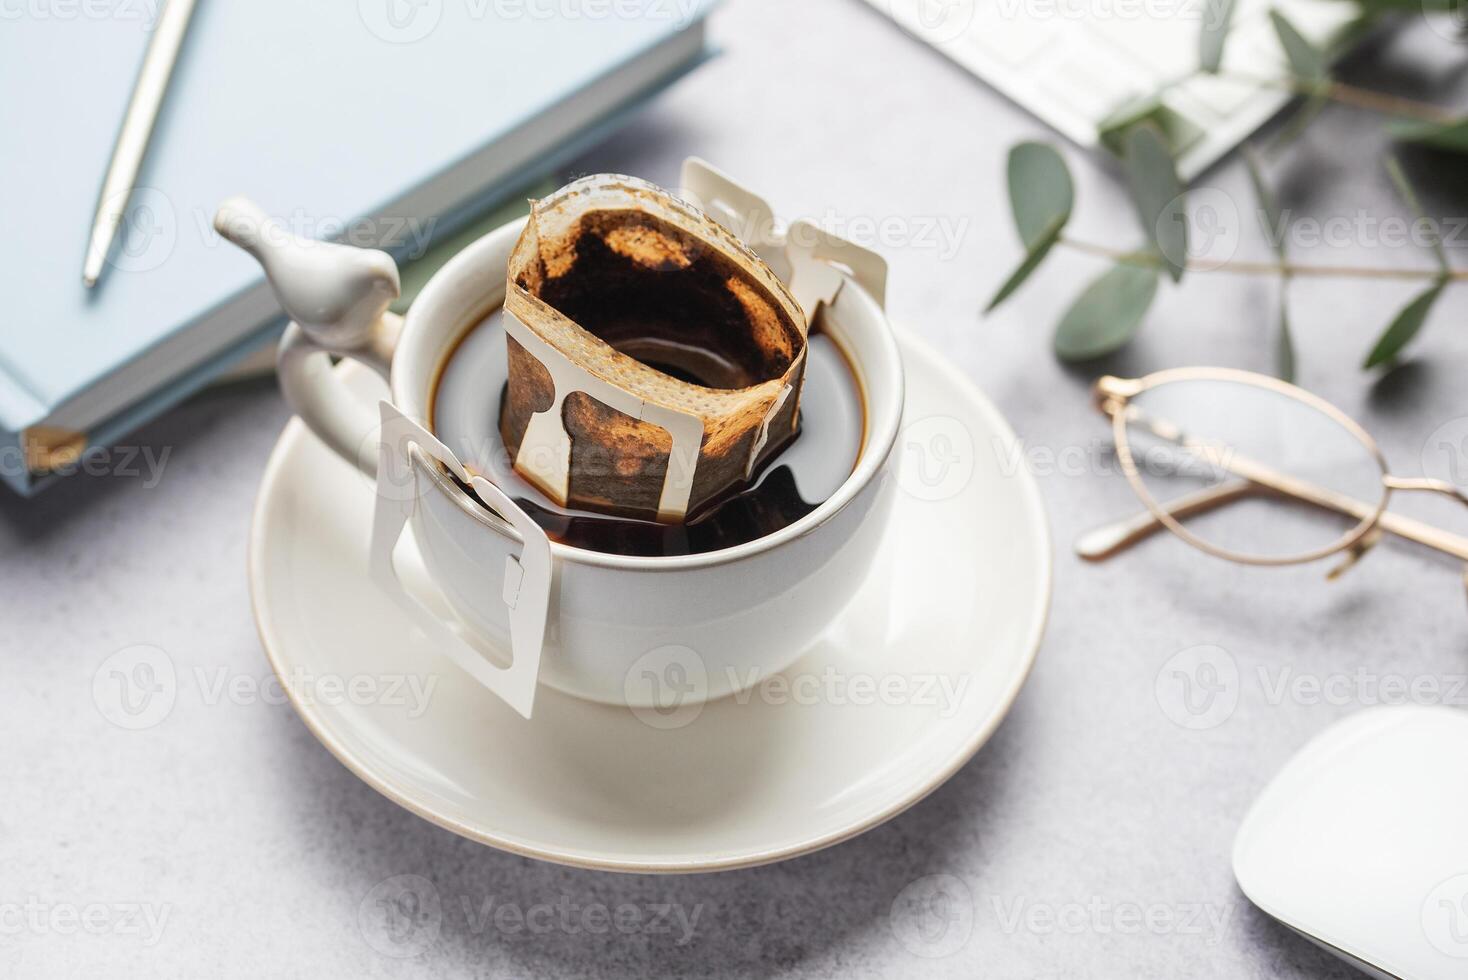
(526, 586)
(337, 297)
(316, 393)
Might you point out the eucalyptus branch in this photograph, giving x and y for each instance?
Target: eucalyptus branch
(1328, 88)
(1299, 269)
(1351, 95)
(1144, 135)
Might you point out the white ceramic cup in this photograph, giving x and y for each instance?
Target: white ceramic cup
(726, 619)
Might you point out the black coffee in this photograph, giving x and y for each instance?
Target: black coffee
(469, 397)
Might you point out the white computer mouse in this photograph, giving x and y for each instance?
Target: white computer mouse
(1360, 843)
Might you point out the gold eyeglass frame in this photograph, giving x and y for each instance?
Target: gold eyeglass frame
(1114, 398)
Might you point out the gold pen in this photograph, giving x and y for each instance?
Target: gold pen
(137, 129)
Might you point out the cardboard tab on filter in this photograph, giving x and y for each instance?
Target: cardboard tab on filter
(654, 361)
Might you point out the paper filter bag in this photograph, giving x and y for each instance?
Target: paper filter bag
(654, 361)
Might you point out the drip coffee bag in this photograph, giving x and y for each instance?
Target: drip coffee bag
(655, 362)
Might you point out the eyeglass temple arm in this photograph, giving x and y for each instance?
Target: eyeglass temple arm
(1442, 487)
(1259, 475)
(1269, 478)
(1102, 542)
(1303, 490)
(1111, 539)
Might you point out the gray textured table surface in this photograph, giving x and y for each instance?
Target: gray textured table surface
(249, 848)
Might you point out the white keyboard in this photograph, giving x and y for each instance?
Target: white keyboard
(1074, 62)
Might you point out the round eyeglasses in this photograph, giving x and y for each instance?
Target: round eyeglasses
(1253, 469)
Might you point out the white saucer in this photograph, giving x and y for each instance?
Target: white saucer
(959, 595)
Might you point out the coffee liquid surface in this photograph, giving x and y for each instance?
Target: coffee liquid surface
(469, 396)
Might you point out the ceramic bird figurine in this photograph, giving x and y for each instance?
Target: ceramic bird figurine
(337, 293)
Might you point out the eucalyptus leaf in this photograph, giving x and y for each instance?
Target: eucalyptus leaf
(1275, 232)
(1307, 62)
(1041, 191)
(1033, 257)
(1309, 65)
(1113, 126)
(1409, 195)
(1159, 196)
(1298, 120)
(1106, 315)
(1404, 327)
(1452, 136)
(1112, 130)
(1284, 342)
(1218, 17)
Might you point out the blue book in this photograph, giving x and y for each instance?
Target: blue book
(387, 123)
